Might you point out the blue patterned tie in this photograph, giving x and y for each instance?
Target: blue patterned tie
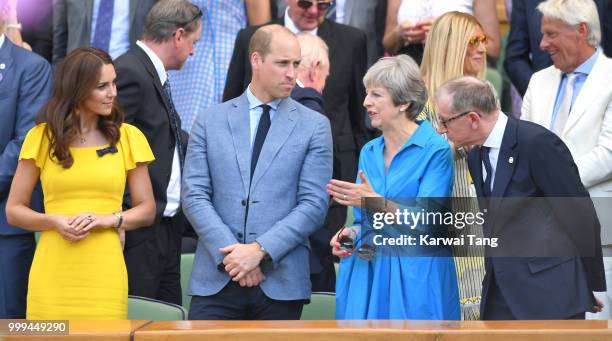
(260, 137)
(175, 122)
(104, 23)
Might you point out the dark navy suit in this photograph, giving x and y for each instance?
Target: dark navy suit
(25, 85)
(534, 163)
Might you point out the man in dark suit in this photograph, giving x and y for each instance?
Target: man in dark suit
(117, 24)
(311, 77)
(549, 260)
(523, 54)
(344, 92)
(25, 85)
(152, 254)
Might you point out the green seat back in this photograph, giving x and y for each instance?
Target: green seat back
(186, 266)
(322, 306)
(143, 308)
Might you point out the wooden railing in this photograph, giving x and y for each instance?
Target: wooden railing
(333, 330)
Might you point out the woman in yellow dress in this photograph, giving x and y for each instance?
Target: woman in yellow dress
(83, 153)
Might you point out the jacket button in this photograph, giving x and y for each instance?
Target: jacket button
(239, 235)
(243, 202)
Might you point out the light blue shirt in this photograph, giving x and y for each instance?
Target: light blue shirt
(255, 111)
(582, 72)
(120, 32)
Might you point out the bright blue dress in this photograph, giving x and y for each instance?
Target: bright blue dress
(402, 287)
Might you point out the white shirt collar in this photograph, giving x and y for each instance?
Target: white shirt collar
(1, 40)
(157, 62)
(290, 25)
(494, 140)
(299, 83)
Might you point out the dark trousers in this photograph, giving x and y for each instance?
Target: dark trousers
(234, 302)
(497, 308)
(16, 253)
(154, 265)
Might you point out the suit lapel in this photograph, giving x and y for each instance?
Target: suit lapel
(239, 123)
(6, 60)
(589, 92)
(146, 61)
(282, 125)
(548, 95)
(506, 161)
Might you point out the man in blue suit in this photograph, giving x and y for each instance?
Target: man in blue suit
(25, 84)
(254, 190)
(550, 261)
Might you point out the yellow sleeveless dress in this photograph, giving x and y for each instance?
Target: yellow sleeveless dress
(86, 279)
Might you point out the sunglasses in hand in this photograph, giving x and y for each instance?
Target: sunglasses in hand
(347, 243)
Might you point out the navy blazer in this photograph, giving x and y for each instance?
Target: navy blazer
(523, 54)
(25, 85)
(533, 162)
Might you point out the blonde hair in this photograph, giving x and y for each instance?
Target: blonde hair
(313, 49)
(445, 50)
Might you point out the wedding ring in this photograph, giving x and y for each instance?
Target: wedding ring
(344, 197)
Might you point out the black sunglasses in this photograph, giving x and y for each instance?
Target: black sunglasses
(365, 251)
(321, 5)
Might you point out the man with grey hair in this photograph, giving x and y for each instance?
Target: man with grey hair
(152, 254)
(521, 159)
(573, 98)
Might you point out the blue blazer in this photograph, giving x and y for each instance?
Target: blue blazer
(25, 85)
(286, 198)
(534, 163)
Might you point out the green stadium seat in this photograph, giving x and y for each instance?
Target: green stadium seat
(186, 266)
(144, 308)
(322, 306)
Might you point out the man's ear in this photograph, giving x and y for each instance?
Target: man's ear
(255, 59)
(583, 30)
(314, 70)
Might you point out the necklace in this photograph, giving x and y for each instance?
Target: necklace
(82, 139)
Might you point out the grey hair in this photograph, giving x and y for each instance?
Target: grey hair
(314, 49)
(469, 94)
(401, 76)
(169, 15)
(574, 12)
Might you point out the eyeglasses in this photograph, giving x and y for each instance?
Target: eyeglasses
(474, 40)
(321, 5)
(347, 243)
(445, 122)
(183, 24)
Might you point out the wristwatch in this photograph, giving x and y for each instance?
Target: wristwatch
(119, 216)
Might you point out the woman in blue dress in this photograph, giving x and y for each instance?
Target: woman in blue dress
(409, 160)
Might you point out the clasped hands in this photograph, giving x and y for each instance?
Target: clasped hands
(76, 228)
(242, 263)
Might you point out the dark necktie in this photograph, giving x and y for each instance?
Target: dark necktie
(104, 23)
(175, 121)
(484, 153)
(260, 137)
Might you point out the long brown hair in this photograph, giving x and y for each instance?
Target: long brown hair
(75, 79)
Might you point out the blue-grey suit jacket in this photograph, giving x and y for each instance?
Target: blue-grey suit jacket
(25, 85)
(286, 198)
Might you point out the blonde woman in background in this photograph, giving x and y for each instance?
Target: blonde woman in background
(457, 46)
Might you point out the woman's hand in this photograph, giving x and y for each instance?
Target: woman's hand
(86, 221)
(414, 33)
(336, 249)
(350, 194)
(62, 225)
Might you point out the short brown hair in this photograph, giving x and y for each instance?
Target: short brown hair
(169, 15)
(262, 38)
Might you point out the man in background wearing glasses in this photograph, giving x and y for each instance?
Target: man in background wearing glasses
(152, 254)
(343, 95)
(551, 261)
